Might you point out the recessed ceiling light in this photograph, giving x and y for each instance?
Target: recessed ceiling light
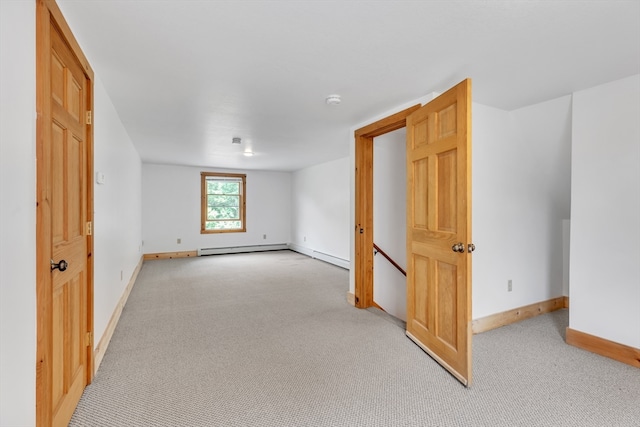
(333, 99)
(236, 140)
(248, 153)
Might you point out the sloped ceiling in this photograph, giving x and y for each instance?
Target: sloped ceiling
(186, 76)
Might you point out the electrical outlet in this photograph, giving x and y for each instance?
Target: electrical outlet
(509, 285)
(179, 240)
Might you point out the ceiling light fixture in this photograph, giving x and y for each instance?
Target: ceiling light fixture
(248, 153)
(236, 140)
(333, 99)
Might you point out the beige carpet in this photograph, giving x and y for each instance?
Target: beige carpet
(268, 339)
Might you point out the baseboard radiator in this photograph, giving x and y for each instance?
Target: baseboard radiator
(242, 249)
(340, 262)
(312, 253)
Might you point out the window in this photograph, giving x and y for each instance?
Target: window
(223, 203)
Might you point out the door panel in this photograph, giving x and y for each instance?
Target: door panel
(438, 217)
(68, 232)
(64, 93)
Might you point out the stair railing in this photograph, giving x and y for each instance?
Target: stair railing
(377, 249)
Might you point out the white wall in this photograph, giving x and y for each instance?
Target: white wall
(171, 209)
(117, 209)
(605, 206)
(390, 221)
(17, 213)
(320, 209)
(521, 179)
(117, 212)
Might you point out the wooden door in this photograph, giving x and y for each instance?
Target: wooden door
(65, 347)
(439, 229)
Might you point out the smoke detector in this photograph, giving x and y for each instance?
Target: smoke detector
(333, 99)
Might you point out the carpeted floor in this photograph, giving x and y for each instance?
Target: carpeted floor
(268, 339)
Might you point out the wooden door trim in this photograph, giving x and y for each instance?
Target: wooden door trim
(47, 12)
(363, 270)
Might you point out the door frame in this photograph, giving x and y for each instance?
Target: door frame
(363, 270)
(47, 12)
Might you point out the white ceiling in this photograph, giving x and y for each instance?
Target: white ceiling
(188, 76)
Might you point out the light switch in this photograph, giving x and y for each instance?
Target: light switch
(99, 178)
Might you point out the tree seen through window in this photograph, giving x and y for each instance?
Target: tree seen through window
(223, 202)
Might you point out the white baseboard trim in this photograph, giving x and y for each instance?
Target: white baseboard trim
(340, 262)
(242, 249)
(301, 249)
(101, 348)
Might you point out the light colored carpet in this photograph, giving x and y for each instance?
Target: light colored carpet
(268, 339)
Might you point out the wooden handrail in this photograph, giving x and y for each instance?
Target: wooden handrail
(395, 264)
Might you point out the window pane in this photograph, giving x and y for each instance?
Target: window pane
(221, 187)
(223, 213)
(223, 225)
(215, 201)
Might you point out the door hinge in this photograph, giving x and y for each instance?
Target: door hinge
(89, 228)
(89, 339)
(88, 121)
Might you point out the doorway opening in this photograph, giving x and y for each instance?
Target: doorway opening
(363, 272)
(390, 223)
